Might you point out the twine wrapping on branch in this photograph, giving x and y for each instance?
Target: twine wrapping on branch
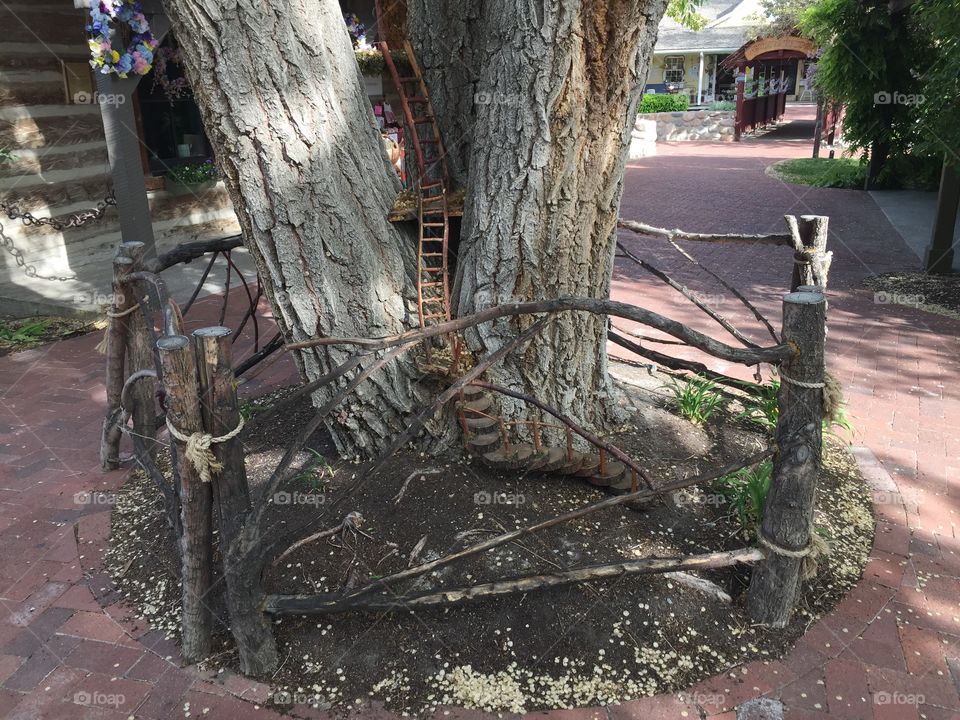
(102, 345)
(832, 392)
(198, 450)
(816, 548)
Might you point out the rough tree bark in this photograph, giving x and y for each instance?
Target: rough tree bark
(536, 102)
(554, 88)
(283, 103)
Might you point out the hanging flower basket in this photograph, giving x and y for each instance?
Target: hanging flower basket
(137, 57)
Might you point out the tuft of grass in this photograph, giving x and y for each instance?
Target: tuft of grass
(746, 492)
(26, 333)
(763, 410)
(846, 173)
(696, 398)
(316, 471)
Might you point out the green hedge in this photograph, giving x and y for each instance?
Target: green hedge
(654, 103)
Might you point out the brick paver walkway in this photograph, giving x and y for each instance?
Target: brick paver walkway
(66, 639)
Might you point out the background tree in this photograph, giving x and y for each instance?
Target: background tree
(779, 17)
(542, 166)
(869, 63)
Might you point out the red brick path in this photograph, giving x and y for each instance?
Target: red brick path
(66, 641)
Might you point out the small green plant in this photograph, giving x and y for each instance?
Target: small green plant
(24, 333)
(840, 420)
(697, 397)
(764, 409)
(663, 102)
(195, 173)
(746, 492)
(6, 156)
(316, 470)
(247, 410)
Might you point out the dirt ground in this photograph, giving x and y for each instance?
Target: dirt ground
(595, 643)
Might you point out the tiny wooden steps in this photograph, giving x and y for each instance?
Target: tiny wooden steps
(488, 437)
(433, 216)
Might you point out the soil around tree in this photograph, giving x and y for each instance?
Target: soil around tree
(939, 294)
(589, 644)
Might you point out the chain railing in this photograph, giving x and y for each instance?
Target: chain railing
(74, 220)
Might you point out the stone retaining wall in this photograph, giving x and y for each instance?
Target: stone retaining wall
(691, 125)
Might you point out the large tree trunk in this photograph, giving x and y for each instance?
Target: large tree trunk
(536, 103)
(283, 103)
(554, 87)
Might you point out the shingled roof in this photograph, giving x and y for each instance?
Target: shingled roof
(727, 29)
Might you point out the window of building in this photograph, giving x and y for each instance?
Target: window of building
(170, 124)
(673, 69)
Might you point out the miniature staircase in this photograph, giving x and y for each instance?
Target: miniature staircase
(488, 437)
(433, 247)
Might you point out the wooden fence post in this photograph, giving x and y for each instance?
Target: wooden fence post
(221, 415)
(787, 527)
(117, 336)
(196, 539)
(250, 627)
(811, 259)
(140, 354)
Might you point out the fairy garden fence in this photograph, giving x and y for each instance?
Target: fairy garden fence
(195, 381)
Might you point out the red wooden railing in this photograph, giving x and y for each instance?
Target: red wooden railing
(759, 103)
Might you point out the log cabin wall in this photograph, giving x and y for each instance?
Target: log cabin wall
(51, 126)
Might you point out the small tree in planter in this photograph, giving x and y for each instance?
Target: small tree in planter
(192, 178)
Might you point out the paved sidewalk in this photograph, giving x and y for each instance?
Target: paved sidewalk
(65, 638)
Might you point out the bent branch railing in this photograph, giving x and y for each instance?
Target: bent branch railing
(195, 382)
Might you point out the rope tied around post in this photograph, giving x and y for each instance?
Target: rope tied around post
(102, 345)
(198, 450)
(816, 547)
(832, 392)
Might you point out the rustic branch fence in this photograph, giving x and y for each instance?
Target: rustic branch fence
(195, 382)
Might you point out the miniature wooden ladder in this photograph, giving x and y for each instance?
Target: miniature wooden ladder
(433, 275)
